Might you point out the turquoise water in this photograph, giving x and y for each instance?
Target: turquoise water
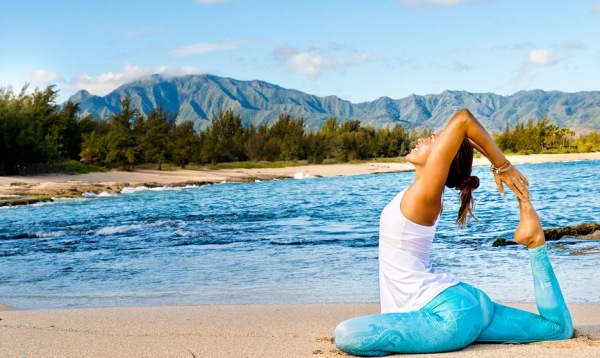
(285, 241)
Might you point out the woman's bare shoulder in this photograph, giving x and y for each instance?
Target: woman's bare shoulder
(420, 206)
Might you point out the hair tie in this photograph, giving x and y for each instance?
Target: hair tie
(471, 182)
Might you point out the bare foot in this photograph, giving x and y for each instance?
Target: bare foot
(529, 231)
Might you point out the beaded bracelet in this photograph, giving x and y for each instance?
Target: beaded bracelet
(504, 168)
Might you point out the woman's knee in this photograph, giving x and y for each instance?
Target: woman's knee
(356, 336)
(421, 332)
(567, 331)
(346, 334)
(341, 336)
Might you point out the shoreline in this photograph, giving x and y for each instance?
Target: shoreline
(272, 330)
(64, 185)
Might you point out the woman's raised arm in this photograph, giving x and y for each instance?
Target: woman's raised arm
(464, 125)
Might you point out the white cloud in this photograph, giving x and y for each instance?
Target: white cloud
(311, 63)
(206, 47)
(314, 61)
(542, 58)
(42, 77)
(445, 3)
(107, 82)
(597, 8)
(562, 51)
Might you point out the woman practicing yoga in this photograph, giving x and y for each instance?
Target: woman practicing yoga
(427, 311)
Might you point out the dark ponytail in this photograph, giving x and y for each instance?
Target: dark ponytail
(459, 177)
(467, 203)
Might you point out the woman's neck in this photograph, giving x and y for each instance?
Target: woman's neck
(418, 172)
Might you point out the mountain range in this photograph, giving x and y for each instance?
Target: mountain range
(200, 97)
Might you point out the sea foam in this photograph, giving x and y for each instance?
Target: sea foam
(103, 194)
(303, 175)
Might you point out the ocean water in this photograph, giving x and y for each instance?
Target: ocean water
(303, 240)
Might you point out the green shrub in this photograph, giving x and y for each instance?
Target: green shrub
(75, 167)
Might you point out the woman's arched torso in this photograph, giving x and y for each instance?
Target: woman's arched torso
(406, 278)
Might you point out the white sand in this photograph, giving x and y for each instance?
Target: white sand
(304, 330)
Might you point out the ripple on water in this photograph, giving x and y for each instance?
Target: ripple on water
(284, 241)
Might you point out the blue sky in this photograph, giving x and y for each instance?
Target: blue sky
(358, 50)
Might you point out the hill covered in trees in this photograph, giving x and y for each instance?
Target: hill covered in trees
(199, 98)
(37, 135)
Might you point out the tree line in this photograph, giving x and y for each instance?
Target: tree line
(543, 137)
(128, 138)
(34, 129)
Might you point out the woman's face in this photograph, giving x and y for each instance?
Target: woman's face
(421, 152)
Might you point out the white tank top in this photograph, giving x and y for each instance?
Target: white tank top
(407, 281)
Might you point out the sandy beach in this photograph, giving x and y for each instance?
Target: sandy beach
(293, 330)
(234, 331)
(115, 181)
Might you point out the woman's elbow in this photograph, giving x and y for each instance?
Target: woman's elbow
(464, 114)
(461, 118)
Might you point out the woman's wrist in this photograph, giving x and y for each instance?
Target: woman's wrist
(502, 168)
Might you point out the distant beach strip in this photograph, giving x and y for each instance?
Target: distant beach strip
(75, 185)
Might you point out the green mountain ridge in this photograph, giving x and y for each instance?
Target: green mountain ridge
(198, 98)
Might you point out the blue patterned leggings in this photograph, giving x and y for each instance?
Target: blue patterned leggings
(461, 315)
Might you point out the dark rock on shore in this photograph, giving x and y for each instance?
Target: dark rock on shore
(22, 193)
(22, 200)
(503, 242)
(585, 231)
(581, 231)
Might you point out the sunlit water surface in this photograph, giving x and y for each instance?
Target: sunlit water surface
(286, 241)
